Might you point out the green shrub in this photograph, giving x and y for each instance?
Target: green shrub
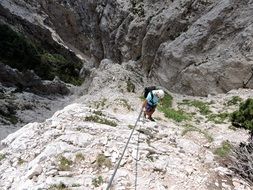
(13, 119)
(18, 51)
(75, 185)
(244, 116)
(98, 112)
(231, 127)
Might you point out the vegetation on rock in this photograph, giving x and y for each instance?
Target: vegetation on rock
(166, 107)
(97, 181)
(191, 128)
(22, 53)
(60, 186)
(224, 150)
(235, 100)
(203, 107)
(98, 119)
(102, 160)
(64, 163)
(218, 118)
(130, 86)
(138, 8)
(79, 157)
(2, 156)
(244, 116)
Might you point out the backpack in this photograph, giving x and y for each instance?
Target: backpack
(149, 89)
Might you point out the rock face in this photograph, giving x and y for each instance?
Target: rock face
(79, 147)
(192, 47)
(25, 97)
(21, 107)
(29, 81)
(211, 55)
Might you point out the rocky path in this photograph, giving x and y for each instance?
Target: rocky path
(78, 148)
(74, 150)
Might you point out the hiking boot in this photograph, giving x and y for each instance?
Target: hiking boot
(151, 119)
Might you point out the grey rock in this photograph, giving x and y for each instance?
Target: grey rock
(192, 47)
(35, 171)
(29, 81)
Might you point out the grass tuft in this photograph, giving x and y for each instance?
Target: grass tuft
(218, 118)
(20, 161)
(100, 104)
(98, 119)
(2, 156)
(102, 160)
(130, 86)
(130, 126)
(165, 106)
(80, 157)
(125, 104)
(224, 150)
(60, 186)
(176, 115)
(97, 181)
(166, 101)
(191, 128)
(64, 163)
(203, 107)
(235, 100)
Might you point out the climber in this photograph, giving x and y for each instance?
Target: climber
(151, 101)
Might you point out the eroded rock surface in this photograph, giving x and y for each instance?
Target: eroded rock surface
(192, 47)
(79, 147)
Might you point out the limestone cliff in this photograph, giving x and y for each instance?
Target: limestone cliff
(195, 47)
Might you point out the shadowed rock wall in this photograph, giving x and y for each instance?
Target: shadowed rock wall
(194, 47)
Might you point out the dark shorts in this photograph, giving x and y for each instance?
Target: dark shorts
(149, 107)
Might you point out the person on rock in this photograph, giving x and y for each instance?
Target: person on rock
(151, 101)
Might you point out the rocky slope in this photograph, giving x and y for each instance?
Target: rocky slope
(80, 145)
(196, 47)
(20, 108)
(25, 98)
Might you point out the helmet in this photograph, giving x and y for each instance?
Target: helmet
(160, 93)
